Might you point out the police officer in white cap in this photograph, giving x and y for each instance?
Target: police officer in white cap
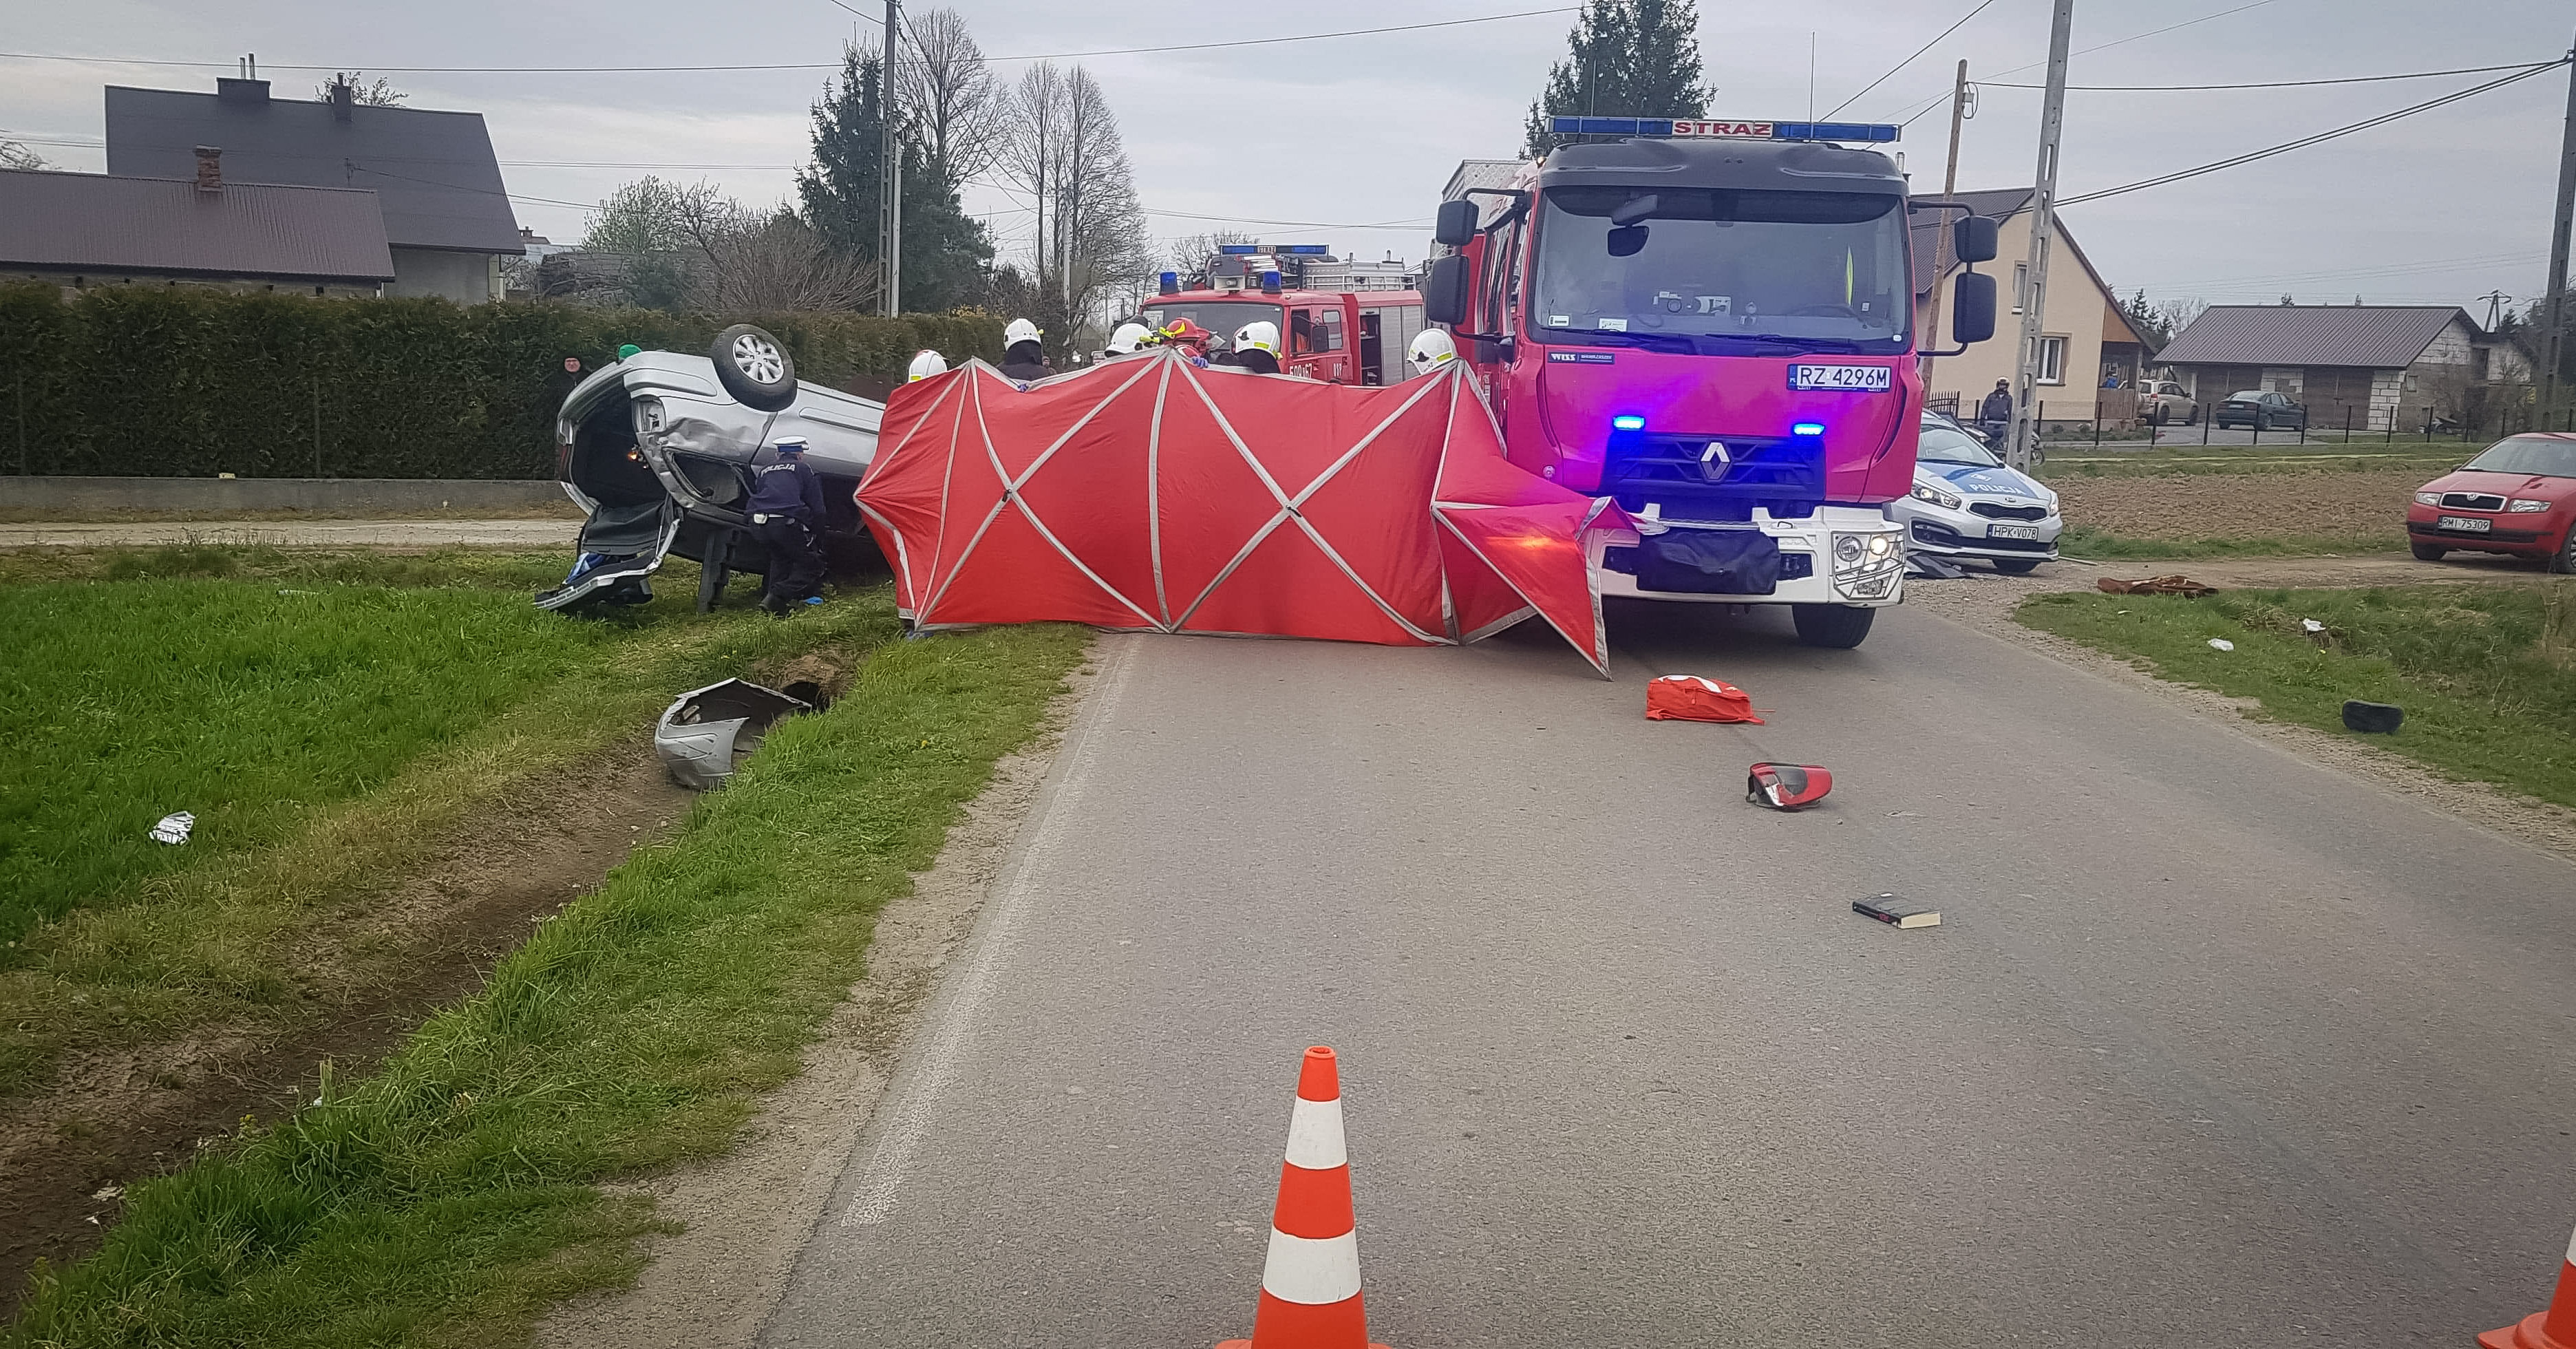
(1023, 360)
(1256, 347)
(1431, 350)
(924, 365)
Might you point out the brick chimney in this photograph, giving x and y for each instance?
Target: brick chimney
(210, 169)
(343, 99)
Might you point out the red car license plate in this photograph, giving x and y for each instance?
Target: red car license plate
(2468, 522)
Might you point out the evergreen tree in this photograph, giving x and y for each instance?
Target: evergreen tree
(945, 250)
(2150, 323)
(1625, 58)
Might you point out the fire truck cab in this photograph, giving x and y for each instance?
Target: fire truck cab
(1712, 323)
(1340, 322)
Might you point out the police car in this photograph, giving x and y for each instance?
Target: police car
(1965, 503)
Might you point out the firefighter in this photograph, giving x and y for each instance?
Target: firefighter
(1256, 347)
(1127, 340)
(1431, 350)
(1023, 360)
(924, 365)
(786, 506)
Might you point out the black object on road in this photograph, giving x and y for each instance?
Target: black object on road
(1783, 786)
(1897, 911)
(2374, 718)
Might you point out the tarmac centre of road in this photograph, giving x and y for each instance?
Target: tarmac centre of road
(2212, 1044)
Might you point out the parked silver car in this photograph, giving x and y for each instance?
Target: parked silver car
(657, 448)
(1966, 503)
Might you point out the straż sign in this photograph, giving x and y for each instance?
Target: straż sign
(1759, 130)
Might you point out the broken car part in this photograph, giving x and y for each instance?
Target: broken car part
(705, 732)
(1783, 786)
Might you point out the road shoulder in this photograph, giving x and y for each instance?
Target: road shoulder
(1985, 603)
(743, 1217)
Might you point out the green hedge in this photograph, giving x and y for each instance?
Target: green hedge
(187, 381)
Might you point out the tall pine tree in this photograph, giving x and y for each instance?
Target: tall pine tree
(1625, 58)
(946, 252)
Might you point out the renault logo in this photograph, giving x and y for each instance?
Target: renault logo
(1715, 461)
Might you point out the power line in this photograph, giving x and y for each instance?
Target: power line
(2115, 42)
(1918, 52)
(2305, 141)
(807, 65)
(2260, 84)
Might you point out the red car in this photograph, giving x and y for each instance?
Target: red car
(2518, 498)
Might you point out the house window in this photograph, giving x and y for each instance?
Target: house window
(2021, 285)
(2052, 360)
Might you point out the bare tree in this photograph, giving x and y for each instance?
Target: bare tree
(768, 261)
(950, 97)
(380, 94)
(1189, 256)
(1064, 149)
(16, 155)
(2179, 313)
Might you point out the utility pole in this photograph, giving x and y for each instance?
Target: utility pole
(2043, 217)
(2496, 301)
(2554, 342)
(1931, 335)
(890, 230)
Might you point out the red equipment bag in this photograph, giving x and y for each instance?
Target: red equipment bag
(1691, 698)
(1783, 786)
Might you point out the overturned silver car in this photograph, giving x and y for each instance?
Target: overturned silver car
(657, 448)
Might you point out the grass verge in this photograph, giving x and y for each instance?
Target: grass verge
(449, 1197)
(259, 928)
(2487, 673)
(2076, 462)
(2092, 543)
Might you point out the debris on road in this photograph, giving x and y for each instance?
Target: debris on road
(1897, 912)
(2221, 644)
(1693, 698)
(705, 732)
(2373, 718)
(1310, 1282)
(174, 827)
(1784, 786)
(1933, 567)
(2155, 585)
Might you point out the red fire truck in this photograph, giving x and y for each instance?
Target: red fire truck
(1713, 323)
(1339, 321)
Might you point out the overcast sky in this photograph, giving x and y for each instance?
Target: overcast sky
(2441, 207)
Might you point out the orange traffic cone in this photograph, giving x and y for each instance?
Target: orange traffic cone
(1310, 1285)
(2551, 1329)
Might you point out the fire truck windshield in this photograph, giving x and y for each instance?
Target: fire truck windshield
(1222, 317)
(1722, 269)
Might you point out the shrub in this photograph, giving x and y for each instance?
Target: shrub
(189, 381)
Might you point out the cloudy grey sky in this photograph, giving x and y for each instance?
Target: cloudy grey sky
(2437, 208)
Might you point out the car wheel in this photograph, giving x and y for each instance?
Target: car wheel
(2017, 566)
(754, 368)
(2564, 560)
(2428, 552)
(1834, 626)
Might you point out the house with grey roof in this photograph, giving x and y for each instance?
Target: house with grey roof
(446, 215)
(2367, 366)
(81, 230)
(2085, 336)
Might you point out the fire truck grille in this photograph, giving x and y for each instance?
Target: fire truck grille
(1747, 471)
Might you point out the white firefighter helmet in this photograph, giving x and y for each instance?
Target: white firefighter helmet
(1128, 337)
(1260, 335)
(925, 364)
(1431, 350)
(1020, 330)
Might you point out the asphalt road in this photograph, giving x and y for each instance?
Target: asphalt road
(2213, 1046)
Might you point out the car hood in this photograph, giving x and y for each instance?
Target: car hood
(2530, 485)
(1976, 481)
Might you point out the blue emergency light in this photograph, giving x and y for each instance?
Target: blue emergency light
(1706, 128)
(1169, 283)
(1627, 421)
(1239, 250)
(1306, 250)
(1807, 429)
